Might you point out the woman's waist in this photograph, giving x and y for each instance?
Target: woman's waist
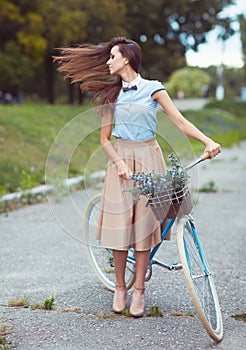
(135, 143)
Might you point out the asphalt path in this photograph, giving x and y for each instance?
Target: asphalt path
(42, 255)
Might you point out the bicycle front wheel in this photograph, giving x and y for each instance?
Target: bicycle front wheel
(100, 258)
(199, 279)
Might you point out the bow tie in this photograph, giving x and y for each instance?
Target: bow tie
(125, 89)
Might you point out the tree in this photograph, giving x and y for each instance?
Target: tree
(165, 29)
(21, 44)
(73, 22)
(192, 82)
(106, 18)
(168, 28)
(242, 22)
(16, 69)
(233, 81)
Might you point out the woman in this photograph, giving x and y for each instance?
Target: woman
(111, 72)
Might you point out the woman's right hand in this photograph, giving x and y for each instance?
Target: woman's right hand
(123, 170)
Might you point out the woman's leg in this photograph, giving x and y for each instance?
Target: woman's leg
(137, 304)
(119, 303)
(142, 261)
(120, 257)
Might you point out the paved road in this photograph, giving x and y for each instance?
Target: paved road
(190, 103)
(41, 254)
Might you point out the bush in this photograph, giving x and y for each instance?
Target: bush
(192, 82)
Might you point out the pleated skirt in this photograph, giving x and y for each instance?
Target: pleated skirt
(124, 222)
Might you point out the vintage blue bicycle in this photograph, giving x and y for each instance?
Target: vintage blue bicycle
(193, 262)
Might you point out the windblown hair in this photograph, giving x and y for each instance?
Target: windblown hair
(86, 64)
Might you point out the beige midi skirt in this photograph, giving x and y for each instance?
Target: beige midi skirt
(124, 222)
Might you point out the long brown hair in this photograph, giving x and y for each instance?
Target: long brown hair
(86, 64)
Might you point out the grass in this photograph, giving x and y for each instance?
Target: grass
(209, 187)
(182, 314)
(24, 302)
(20, 302)
(154, 311)
(240, 317)
(27, 133)
(46, 305)
(4, 343)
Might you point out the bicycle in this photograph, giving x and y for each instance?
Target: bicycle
(193, 262)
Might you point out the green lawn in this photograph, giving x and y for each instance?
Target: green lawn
(28, 132)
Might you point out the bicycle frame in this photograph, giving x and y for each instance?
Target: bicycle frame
(152, 260)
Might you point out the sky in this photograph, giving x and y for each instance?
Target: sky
(213, 52)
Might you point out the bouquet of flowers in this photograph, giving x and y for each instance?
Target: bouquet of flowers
(149, 184)
(168, 194)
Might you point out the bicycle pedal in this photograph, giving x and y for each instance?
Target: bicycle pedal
(176, 266)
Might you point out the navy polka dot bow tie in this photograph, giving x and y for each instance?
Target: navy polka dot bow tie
(125, 89)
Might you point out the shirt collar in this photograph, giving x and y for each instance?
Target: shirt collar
(134, 82)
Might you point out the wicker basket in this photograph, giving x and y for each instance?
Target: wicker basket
(171, 203)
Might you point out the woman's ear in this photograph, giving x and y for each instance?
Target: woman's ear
(126, 61)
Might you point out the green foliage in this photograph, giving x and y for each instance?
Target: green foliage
(102, 13)
(4, 332)
(30, 37)
(233, 80)
(20, 301)
(242, 21)
(27, 131)
(223, 121)
(190, 81)
(183, 314)
(154, 311)
(235, 109)
(46, 305)
(38, 27)
(107, 316)
(25, 302)
(5, 345)
(126, 313)
(16, 69)
(240, 317)
(209, 187)
(169, 28)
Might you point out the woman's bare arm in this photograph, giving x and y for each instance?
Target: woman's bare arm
(106, 129)
(184, 125)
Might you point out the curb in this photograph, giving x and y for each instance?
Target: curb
(11, 201)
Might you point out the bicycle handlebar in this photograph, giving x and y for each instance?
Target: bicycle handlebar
(203, 157)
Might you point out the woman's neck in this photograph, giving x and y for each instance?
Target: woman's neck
(129, 75)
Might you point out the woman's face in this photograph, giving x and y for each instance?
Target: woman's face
(116, 62)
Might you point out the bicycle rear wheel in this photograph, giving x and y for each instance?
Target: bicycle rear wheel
(199, 279)
(100, 258)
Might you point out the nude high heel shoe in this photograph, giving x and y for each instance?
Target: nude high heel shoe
(137, 304)
(119, 302)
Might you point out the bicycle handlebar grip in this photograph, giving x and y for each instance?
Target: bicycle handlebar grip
(205, 156)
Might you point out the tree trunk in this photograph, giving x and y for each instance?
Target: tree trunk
(50, 78)
(70, 92)
(80, 96)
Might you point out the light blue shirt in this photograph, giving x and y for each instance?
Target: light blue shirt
(135, 110)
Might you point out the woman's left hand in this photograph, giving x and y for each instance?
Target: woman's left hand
(212, 148)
